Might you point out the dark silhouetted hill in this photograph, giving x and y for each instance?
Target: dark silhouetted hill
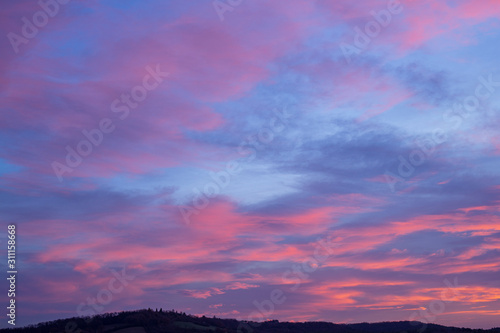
(158, 321)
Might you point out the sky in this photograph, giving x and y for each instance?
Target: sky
(250, 159)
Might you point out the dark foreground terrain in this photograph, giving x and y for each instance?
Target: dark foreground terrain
(158, 321)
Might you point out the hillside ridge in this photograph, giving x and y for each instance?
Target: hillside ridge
(160, 321)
